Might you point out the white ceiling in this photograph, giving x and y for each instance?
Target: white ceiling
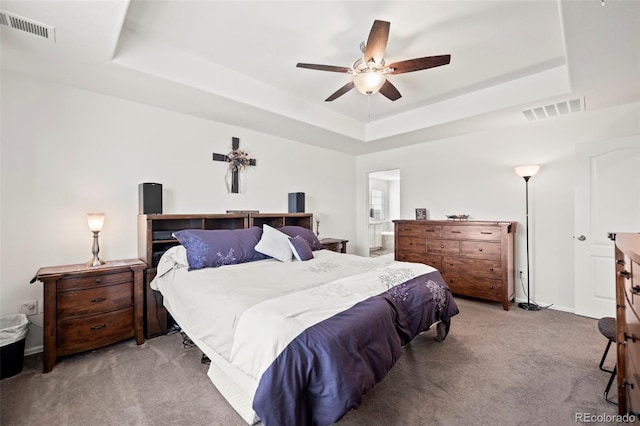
(234, 61)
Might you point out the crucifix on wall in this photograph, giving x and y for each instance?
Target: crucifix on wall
(238, 160)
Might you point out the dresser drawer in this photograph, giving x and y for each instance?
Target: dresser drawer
(411, 244)
(427, 259)
(487, 268)
(94, 300)
(77, 283)
(411, 230)
(471, 232)
(445, 247)
(467, 285)
(95, 331)
(480, 249)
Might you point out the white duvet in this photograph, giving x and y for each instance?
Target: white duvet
(248, 313)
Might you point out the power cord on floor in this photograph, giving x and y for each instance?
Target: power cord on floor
(527, 295)
(187, 343)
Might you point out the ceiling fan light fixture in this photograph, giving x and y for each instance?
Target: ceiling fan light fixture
(369, 82)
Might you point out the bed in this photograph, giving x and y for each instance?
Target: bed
(296, 338)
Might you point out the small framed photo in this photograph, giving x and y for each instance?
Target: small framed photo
(421, 214)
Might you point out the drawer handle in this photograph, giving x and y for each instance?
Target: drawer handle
(486, 233)
(456, 232)
(441, 245)
(98, 280)
(491, 269)
(98, 327)
(98, 299)
(479, 249)
(625, 274)
(491, 287)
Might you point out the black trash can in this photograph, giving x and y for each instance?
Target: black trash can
(13, 333)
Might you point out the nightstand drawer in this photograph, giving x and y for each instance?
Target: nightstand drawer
(81, 334)
(95, 300)
(78, 283)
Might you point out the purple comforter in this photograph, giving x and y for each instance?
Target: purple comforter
(327, 369)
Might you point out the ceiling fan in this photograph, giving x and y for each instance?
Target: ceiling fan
(370, 72)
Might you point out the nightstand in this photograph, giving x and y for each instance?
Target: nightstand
(88, 307)
(335, 244)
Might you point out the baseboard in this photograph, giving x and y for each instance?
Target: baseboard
(33, 350)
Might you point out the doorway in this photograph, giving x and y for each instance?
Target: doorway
(383, 208)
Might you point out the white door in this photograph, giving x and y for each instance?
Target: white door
(607, 200)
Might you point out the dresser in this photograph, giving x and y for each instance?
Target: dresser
(476, 258)
(627, 257)
(88, 307)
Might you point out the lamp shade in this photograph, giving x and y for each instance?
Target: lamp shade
(527, 171)
(95, 221)
(369, 82)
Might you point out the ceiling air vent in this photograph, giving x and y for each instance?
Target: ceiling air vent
(554, 110)
(11, 20)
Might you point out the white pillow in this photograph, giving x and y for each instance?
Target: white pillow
(275, 244)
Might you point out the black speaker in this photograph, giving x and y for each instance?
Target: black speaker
(150, 198)
(296, 202)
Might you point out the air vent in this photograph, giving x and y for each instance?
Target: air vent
(19, 23)
(554, 110)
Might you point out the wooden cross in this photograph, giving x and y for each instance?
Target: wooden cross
(235, 144)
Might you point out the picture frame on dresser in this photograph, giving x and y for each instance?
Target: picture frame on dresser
(422, 214)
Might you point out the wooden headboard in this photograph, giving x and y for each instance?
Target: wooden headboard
(154, 238)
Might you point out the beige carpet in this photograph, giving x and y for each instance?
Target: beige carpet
(494, 368)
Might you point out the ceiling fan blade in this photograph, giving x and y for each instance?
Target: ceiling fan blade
(341, 91)
(324, 67)
(377, 41)
(390, 91)
(419, 64)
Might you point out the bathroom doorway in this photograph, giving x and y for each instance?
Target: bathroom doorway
(383, 208)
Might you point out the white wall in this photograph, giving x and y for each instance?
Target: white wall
(66, 152)
(473, 174)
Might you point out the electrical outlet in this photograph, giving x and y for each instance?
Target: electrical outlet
(30, 307)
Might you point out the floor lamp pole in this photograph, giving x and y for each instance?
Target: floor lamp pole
(528, 306)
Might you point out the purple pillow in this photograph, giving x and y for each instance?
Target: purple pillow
(305, 233)
(214, 248)
(300, 248)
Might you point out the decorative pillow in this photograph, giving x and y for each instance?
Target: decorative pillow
(214, 248)
(275, 244)
(305, 233)
(300, 248)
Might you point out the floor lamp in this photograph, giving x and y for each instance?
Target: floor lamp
(526, 172)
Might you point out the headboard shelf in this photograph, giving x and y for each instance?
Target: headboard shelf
(155, 237)
(278, 220)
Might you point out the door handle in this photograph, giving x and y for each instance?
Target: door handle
(582, 238)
